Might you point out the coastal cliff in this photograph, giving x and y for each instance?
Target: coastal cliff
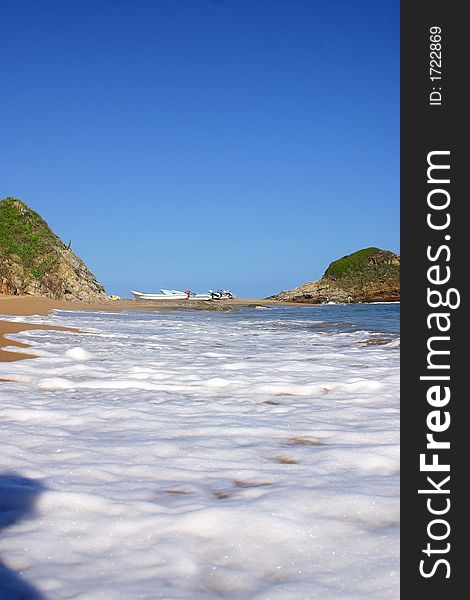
(34, 260)
(368, 275)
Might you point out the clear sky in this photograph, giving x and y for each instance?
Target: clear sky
(204, 143)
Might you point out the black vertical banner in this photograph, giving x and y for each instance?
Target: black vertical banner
(434, 133)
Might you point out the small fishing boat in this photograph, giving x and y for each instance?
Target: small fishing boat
(171, 295)
(171, 292)
(144, 296)
(199, 297)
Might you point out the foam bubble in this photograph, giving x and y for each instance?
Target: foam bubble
(77, 354)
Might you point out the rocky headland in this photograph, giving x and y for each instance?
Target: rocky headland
(35, 261)
(368, 275)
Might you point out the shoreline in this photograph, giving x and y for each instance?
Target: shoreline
(7, 327)
(18, 306)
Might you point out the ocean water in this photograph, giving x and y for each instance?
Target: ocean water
(203, 455)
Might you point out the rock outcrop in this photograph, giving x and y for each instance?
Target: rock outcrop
(35, 261)
(369, 275)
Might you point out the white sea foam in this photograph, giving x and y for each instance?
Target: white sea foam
(77, 354)
(194, 455)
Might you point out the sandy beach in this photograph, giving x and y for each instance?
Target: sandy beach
(34, 305)
(22, 306)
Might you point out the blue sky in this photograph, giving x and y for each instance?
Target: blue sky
(204, 143)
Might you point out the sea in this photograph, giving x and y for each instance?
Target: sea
(203, 455)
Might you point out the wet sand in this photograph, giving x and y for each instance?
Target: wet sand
(9, 327)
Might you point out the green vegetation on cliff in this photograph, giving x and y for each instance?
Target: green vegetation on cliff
(24, 234)
(365, 266)
(368, 275)
(33, 260)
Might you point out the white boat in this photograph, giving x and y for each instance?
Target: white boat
(143, 296)
(200, 297)
(171, 292)
(174, 295)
